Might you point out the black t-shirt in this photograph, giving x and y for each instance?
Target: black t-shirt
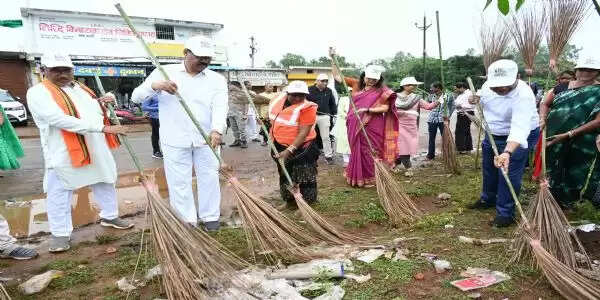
(324, 99)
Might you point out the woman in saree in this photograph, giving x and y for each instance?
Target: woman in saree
(573, 121)
(408, 105)
(374, 103)
(10, 147)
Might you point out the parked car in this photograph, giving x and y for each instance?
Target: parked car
(14, 109)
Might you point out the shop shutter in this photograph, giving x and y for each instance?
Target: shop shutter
(13, 77)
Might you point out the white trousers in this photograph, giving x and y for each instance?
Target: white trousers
(251, 128)
(323, 121)
(178, 164)
(58, 204)
(7, 242)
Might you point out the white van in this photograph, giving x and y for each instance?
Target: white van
(14, 109)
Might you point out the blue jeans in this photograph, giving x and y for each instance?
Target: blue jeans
(433, 128)
(495, 190)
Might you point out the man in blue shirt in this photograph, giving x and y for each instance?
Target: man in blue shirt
(435, 121)
(150, 105)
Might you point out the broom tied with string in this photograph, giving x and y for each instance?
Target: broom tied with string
(564, 18)
(327, 231)
(396, 203)
(252, 206)
(448, 144)
(188, 257)
(565, 281)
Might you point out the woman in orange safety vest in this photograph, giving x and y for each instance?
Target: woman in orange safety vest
(293, 121)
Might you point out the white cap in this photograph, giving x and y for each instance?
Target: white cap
(297, 86)
(502, 72)
(588, 63)
(409, 81)
(374, 71)
(53, 60)
(200, 46)
(322, 76)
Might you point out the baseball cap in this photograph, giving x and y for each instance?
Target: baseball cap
(588, 63)
(297, 86)
(53, 60)
(374, 71)
(502, 72)
(200, 46)
(409, 81)
(322, 76)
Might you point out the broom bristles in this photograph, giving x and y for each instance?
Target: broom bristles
(564, 18)
(396, 203)
(527, 28)
(273, 231)
(548, 220)
(565, 281)
(193, 263)
(449, 150)
(494, 39)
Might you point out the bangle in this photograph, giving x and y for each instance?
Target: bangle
(570, 132)
(291, 148)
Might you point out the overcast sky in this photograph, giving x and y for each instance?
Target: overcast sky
(361, 30)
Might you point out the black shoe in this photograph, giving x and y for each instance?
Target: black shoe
(501, 222)
(157, 155)
(243, 144)
(236, 143)
(480, 205)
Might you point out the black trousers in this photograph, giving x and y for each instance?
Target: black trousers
(155, 136)
(464, 141)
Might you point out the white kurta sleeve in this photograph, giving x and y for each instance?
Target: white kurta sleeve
(145, 90)
(44, 109)
(219, 106)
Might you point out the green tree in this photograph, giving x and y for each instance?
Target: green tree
(290, 59)
(541, 73)
(272, 64)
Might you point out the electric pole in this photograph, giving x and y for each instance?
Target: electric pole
(252, 51)
(424, 29)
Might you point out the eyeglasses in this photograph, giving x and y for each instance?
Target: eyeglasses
(325, 81)
(298, 95)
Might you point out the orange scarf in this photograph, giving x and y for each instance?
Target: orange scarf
(76, 145)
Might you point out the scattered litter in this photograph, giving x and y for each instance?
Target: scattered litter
(429, 256)
(448, 226)
(474, 295)
(335, 293)
(419, 276)
(441, 265)
(444, 196)
(401, 254)
(110, 250)
(388, 254)
(156, 271)
(316, 268)
(39, 282)
(479, 278)
(396, 242)
(480, 242)
(335, 252)
(358, 278)
(124, 285)
(6, 279)
(587, 227)
(128, 202)
(369, 256)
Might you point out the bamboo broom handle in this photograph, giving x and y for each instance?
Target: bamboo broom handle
(166, 76)
(437, 19)
(362, 125)
(495, 148)
(115, 120)
(264, 129)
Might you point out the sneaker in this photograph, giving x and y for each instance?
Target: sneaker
(59, 244)
(212, 226)
(117, 223)
(236, 143)
(256, 140)
(20, 253)
(329, 160)
(501, 222)
(157, 155)
(480, 205)
(243, 144)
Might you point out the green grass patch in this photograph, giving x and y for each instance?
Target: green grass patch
(585, 210)
(435, 221)
(373, 212)
(126, 260)
(103, 239)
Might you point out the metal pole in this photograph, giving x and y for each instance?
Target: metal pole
(437, 20)
(252, 51)
(424, 29)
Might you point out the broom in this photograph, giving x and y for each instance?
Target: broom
(565, 281)
(185, 255)
(326, 230)
(396, 203)
(494, 38)
(448, 144)
(3, 293)
(527, 29)
(564, 18)
(272, 235)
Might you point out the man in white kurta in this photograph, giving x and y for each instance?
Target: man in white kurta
(62, 175)
(205, 92)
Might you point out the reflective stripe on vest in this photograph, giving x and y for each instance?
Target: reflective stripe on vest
(285, 123)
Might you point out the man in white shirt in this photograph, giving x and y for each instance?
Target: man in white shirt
(509, 109)
(464, 142)
(76, 138)
(205, 92)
